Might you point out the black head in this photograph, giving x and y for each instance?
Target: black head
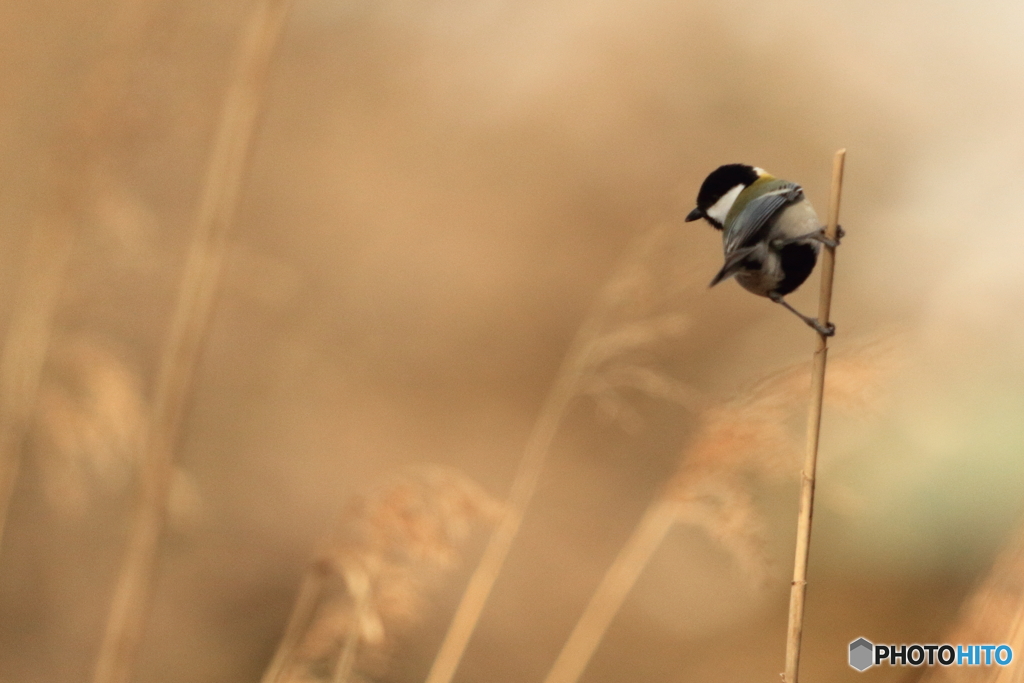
(719, 192)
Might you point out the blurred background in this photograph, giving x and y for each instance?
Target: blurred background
(435, 194)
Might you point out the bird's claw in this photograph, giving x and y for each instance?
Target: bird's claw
(818, 235)
(828, 241)
(828, 330)
(824, 330)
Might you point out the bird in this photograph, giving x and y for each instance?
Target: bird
(770, 233)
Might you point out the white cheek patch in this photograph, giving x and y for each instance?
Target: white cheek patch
(720, 210)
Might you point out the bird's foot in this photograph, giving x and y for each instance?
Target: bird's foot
(827, 241)
(827, 330)
(818, 236)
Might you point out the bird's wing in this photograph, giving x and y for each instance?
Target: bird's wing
(742, 230)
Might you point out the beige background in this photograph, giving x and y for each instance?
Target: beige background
(436, 192)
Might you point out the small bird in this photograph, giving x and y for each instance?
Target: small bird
(770, 233)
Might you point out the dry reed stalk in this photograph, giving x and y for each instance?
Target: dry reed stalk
(196, 292)
(747, 437)
(656, 522)
(25, 348)
(347, 657)
(373, 576)
(586, 368)
(994, 613)
(298, 621)
(79, 153)
(803, 531)
(90, 414)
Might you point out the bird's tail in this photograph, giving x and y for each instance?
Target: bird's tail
(734, 263)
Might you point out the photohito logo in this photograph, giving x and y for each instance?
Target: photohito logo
(865, 654)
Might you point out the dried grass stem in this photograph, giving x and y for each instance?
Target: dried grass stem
(588, 349)
(803, 534)
(196, 293)
(77, 155)
(612, 591)
(299, 619)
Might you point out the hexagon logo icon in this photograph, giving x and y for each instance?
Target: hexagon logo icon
(861, 654)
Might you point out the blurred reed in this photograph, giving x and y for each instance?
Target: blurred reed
(373, 576)
(77, 160)
(994, 613)
(219, 196)
(89, 422)
(624, 320)
(739, 440)
(26, 345)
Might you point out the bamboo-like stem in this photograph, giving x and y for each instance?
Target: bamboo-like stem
(26, 345)
(659, 518)
(298, 621)
(525, 483)
(196, 293)
(803, 530)
(51, 243)
(564, 389)
(993, 613)
(350, 646)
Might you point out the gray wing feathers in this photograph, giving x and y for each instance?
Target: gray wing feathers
(757, 213)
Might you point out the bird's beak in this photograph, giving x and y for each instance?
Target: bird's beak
(694, 215)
